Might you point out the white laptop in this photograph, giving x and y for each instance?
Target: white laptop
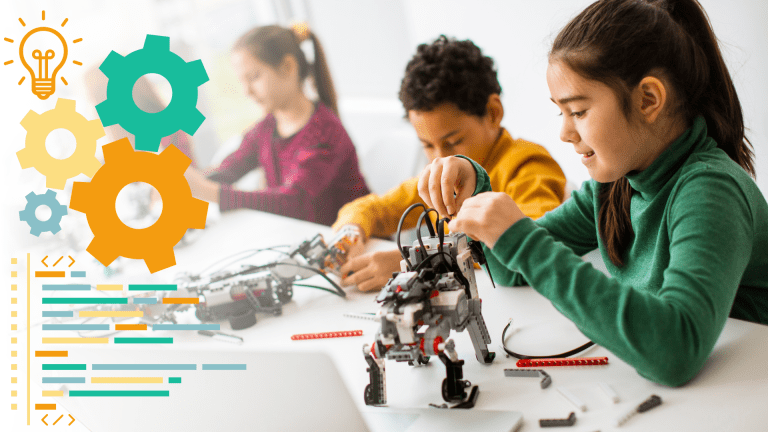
(277, 391)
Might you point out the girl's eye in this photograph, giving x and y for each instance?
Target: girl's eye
(455, 143)
(578, 114)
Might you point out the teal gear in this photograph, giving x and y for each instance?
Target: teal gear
(181, 112)
(34, 201)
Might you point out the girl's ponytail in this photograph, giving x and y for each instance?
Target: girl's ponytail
(716, 100)
(618, 43)
(322, 75)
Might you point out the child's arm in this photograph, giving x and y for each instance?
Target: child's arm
(240, 162)
(667, 335)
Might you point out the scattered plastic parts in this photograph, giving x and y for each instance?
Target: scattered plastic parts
(570, 421)
(123, 166)
(441, 406)
(37, 226)
(570, 397)
(531, 373)
(327, 335)
(181, 112)
(221, 336)
(58, 171)
(365, 316)
(609, 392)
(648, 404)
(574, 361)
(471, 399)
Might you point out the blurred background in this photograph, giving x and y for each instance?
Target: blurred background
(368, 44)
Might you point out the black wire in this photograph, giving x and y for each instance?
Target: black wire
(316, 287)
(431, 257)
(441, 235)
(430, 228)
(340, 292)
(524, 356)
(400, 228)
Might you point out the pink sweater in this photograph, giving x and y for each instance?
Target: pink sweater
(310, 175)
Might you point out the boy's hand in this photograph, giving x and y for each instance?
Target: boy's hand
(486, 216)
(444, 177)
(370, 271)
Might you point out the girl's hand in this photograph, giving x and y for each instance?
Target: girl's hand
(201, 186)
(444, 177)
(486, 216)
(370, 271)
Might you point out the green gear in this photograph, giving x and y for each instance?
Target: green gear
(181, 112)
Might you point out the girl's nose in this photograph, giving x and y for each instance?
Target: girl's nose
(568, 133)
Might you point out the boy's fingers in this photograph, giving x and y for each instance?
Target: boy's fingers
(356, 278)
(423, 187)
(449, 184)
(370, 285)
(353, 264)
(435, 193)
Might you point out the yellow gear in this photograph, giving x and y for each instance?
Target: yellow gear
(58, 171)
(122, 166)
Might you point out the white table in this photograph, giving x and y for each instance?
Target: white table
(730, 393)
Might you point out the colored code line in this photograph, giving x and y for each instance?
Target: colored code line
(75, 340)
(186, 327)
(29, 342)
(53, 393)
(223, 367)
(45, 407)
(75, 326)
(574, 361)
(181, 300)
(158, 366)
(67, 287)
(77, 274)
(325, 335)
(127, 380)
(174, 380)
(64, 367)
(42, 274)
(51, 353)
(102, 314)
(151, 300)
(109, 287)
(58, 314)
(152, 287)
(118, 393)
(63, 380)
(143, 340)
(130, 326)
(85, 300)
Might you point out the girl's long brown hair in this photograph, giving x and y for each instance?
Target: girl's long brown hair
(270, 44)
(619, 42)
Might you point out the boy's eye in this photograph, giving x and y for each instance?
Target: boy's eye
(455, 143)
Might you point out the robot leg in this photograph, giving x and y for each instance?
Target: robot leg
(376, 390)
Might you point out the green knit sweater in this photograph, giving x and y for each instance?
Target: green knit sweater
(699, 255)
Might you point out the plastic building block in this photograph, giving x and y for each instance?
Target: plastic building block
(570, 421)
(574, 361)
(327, 335)
(648, 404)
(531, 373)
(570, 397)
(609, 392)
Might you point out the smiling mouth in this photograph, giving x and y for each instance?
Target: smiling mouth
(588, 155)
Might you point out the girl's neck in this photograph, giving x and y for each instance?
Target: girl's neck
(293, 115)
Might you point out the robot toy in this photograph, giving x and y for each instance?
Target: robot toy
(435, 288)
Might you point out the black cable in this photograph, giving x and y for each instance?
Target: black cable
(316, 287)
(400, 228)
(430, 228)
(441, 235)
(340, 292)
(430, 258)
(524, 356)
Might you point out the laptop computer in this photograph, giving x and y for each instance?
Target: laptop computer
(277, 391)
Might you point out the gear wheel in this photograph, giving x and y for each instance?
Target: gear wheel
(58, 171)
(181, 112)
(122, 166)
(34, 201)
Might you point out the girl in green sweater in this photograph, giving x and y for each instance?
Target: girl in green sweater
(649, 104)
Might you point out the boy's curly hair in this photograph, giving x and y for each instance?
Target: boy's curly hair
(452, 71)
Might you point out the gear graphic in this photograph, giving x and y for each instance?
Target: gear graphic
(181, 112)
(34, 201)
(122, 166)
(58, 171)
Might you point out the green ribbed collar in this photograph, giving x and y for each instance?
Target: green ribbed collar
(653, 178)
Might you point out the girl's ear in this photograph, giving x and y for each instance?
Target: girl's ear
(288, 67)
(494, 110)
(651, 98)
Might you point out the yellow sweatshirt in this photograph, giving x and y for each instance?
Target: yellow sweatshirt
(525, 171)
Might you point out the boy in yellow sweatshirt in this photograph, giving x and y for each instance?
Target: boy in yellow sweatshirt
(451, 96)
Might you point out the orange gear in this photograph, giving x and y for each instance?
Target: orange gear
(112, 238)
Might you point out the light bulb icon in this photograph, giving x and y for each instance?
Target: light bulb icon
(43, 67)
(43, 51)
